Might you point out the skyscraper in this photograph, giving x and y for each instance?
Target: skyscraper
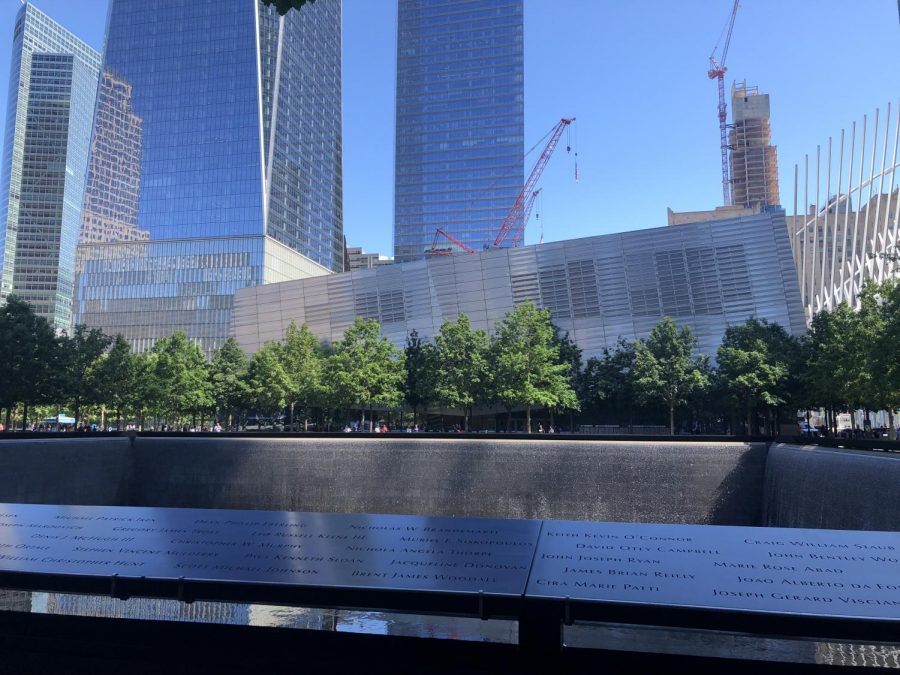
(460, 121)
(52, 87)
(754, 160)
(215, 163)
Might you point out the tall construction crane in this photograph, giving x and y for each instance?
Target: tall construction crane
(518, 214)
(514, 219)
(518, 232)
(717, 72)
(517, 236)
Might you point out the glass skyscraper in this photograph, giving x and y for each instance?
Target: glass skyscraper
(460, 121)
(52, 88)
(215, 163)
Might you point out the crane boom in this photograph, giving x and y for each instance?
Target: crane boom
(717, 70)
(441, 233)
(519, 232)
(516, 212)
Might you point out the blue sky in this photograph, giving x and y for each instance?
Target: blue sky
(634, 75)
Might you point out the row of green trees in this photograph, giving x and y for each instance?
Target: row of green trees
(763, 374)
(519, 366)
(848, 360)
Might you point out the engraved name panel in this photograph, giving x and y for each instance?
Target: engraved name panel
(460, 555)
(816, 572)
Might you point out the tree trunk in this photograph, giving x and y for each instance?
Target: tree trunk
(466, 418)
(8, 416)
(77, 414)
(891, 430)
(528, 419)
(671, 419)
(749, 420)
(24, 415)
(508, 419)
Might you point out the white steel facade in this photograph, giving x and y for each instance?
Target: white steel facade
(844, 231)
(706, 275)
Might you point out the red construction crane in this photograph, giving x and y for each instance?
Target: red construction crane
(514, 219)
(717, 72)
(441, 233)
(519, 232)
(518, 214)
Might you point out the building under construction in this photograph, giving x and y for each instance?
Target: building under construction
(754, 162)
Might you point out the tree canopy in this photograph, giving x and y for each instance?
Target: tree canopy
(525, 363)
(462, 367)
(664, 368)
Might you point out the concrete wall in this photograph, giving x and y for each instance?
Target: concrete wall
(808, 486)
(637, 481)
(717, 483)
(65, 470)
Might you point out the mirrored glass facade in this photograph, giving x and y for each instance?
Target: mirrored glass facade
(52, 89)
(215, 163)
(460, 121)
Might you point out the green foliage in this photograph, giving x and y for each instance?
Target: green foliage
(830, 368)
(80, 378)
(847, 359)
(461, 365)
(571, 355)
(525, 363)
(420, 363)
(284, 6)
(756, 363)
(181, 382)
(607, 382)
(365, 369)
(119, 379)
(664, 369)
(228, 380)
(32, 357)
(304, 364)
(268, 383)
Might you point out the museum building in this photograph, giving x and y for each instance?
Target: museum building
(706, 275)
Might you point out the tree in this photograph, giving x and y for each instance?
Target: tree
(878, 348)
(608, 381)
(365, 369)
(461, 365)
(31, 358)
(525, 362)
(228, 380)
(664, 369)
(754, 365)
(571, 355)
(181, 375)
(830, 364)
(302, 353)
(420, 362)
(81, 383)
(890, 343)
(268, 382)
(284, 6)
(116, 375)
